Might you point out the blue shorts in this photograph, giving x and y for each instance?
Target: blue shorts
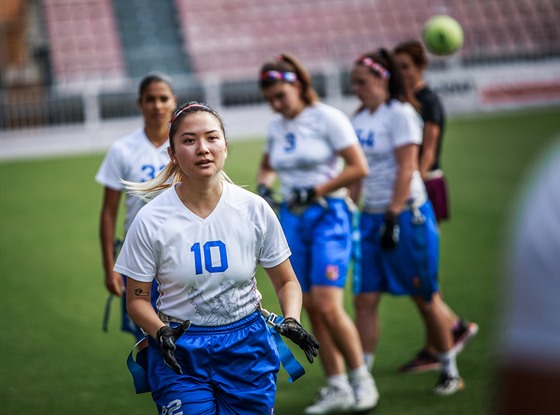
(127, 324)
(321, 243)
(412, 267)
(228, 369)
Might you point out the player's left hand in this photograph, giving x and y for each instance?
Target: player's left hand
(294, 331)
(267, 194)
(300, 197)
(166, 338)
(390, 232)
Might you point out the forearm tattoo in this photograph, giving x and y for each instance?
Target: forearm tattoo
(141, 293)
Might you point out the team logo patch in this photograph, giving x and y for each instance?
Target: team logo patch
(332, 272)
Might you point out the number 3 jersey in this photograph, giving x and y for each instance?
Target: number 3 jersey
(205, 267)
(135, 159)
(303, 150)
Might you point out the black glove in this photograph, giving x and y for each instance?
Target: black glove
(300, 197)
(267, 194)
(390, 232)
(166, 338)
(291, 328)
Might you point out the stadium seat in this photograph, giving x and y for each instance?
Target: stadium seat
(84, 40)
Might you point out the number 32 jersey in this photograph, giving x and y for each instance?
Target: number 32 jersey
(135, 159)
(205, 267)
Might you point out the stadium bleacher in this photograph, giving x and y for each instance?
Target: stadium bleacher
(230, 38)
(105, 45)
(84, 41)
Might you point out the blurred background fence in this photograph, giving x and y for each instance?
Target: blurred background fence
(78, 62)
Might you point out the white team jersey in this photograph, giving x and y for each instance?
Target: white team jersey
(303, 150)
(133, 158)
(392, 125)
(205, 267)
(532, 291)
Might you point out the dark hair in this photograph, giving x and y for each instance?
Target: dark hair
(154, 77)
(415, 50)
(280, 68)
(190, 108)
(383, 58)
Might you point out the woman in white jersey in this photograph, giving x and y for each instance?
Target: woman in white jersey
(399, 236)
(313, 150)
(136, 157)
(411, 59)
(202, 238)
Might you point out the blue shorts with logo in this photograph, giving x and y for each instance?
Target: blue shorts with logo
(229, 369)
(412, 267)
(321, 242)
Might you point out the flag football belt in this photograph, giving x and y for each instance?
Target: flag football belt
(137, 361)
(411, 205)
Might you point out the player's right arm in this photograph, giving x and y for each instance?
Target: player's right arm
(107, 226)
(429, 147)
(266, 174)
(139, 306)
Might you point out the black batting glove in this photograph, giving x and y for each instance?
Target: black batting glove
(300, 197)
(291, 328)
(267, 194)
(166, 338)
(390, 232)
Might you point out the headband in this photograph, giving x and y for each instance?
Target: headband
(376, 67)
(280, 76)
(186, 108)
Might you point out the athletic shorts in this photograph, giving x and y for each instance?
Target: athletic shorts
(409, 269)
(321, 243)
(227, 370)
(437, 193)
(127, 324)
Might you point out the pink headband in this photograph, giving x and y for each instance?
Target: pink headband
(376, 67)
(280, 76)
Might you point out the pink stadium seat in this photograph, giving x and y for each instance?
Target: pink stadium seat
(231, 38)
(84, 39)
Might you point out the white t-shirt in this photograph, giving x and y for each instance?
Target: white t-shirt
(532, 307)
(392, 125)
(133, 158)
(303, 150)
(205, 267)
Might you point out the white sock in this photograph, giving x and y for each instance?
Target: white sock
(359, 373)
(369, 358)
(449, 363)
(339, 380)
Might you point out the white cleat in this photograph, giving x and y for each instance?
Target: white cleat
(448, 385)
(366, 394)
(332, 399)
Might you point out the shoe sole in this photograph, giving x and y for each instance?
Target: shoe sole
(460, 387)
(365, 409)
(462, 341)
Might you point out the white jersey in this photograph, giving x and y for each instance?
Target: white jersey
(205, 267)
(392, 125)
(303, 150)
(133, 158)
(532, 307)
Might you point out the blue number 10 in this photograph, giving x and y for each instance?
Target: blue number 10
(208, 257)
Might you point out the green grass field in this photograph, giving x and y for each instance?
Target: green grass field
(54, 358)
